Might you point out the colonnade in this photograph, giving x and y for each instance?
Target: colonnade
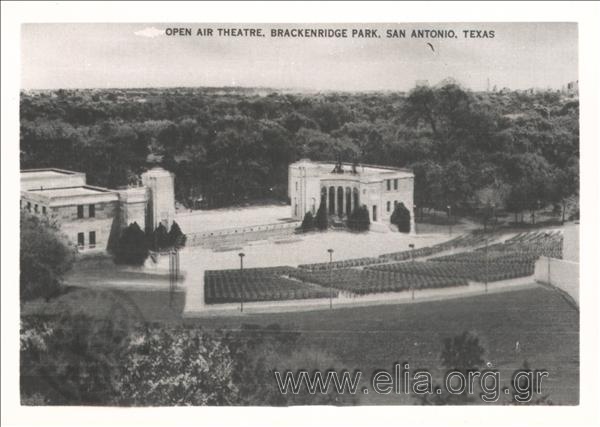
(340, 201)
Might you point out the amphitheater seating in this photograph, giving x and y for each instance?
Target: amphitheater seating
(257, 284)
(510, 259)
(362, 282)
(353, 262)
(464, 240)
(477, 271)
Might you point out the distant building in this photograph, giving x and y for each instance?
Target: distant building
(379, 188)
(573, 87)
(93, 217)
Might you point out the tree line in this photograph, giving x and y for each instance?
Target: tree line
(513, 151)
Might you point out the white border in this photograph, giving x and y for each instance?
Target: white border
(588, 17)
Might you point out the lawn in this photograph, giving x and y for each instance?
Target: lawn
(376, 337)
(370, 338)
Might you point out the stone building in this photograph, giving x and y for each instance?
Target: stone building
(93, 217)
(344, 187)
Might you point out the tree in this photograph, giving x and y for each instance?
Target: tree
(176, 366)
(359, 219)
(132, 248)
(70, 360)
(176, 237)
(258, 352)
(491, 199)
(308, 223)
(401, 218)
(46, 255)
(566, 184)
(321, 221)
(160, 238)
(531, 185)
(462, 353)
(429, 179)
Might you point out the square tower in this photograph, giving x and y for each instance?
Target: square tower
(161, 197)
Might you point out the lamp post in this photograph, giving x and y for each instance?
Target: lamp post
(241, 255)
(330, 281)
(415, 217)
(487, 260)
(449, 219)
(546, 234)
(412, 260)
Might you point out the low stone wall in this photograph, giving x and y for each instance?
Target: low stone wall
(559, 273)
(236, 235)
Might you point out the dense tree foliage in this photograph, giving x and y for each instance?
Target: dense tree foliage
(229, 146)
(84, 360)
(45, 255)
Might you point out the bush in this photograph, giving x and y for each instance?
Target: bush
(359, 219)
(45, 256)
(176, 237)
(132, 248)
(401, 218)
(308, 223)
(321, 219)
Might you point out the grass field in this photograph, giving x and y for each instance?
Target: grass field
(371, 338)
(376, 337)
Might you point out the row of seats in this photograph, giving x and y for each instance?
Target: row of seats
(363, 282)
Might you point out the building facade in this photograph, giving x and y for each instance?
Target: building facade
(342, 189)
(93, 217)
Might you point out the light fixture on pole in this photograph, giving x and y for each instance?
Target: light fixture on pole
(415, 217)
(330, 281)
(412, 259)
(487, 262)
(241, 255)
(449, 219)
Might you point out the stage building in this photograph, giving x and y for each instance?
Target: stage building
(344, 187)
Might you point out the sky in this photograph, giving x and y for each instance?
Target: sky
(520, 56)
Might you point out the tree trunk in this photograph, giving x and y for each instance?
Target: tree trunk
(564, 208)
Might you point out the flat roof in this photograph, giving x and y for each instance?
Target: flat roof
(46, 173)
(71, 191)
(362, 169)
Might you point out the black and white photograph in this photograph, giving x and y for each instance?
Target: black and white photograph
(281, 214)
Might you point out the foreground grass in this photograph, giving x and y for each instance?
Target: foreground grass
(376, 337)
(371, 338)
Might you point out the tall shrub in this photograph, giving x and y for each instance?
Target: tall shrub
(359, 219)
(401, 218)
(132, 248)
(308, 223)
(321, 218)
(176, 237)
